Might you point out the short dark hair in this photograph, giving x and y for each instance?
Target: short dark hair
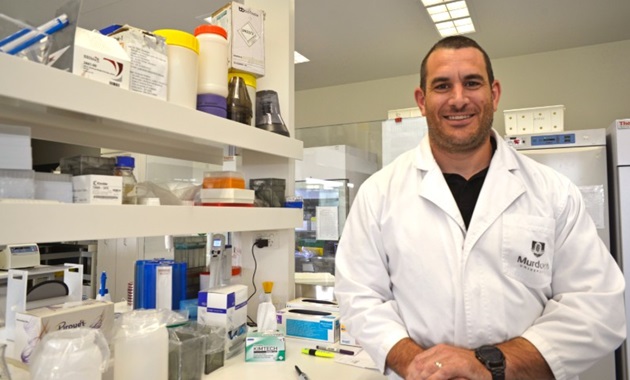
(454, 42)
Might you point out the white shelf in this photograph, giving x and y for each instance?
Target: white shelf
(28, 223)
(62, 107)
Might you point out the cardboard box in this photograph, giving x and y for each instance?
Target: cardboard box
(534, 120)
(32, 325)
(226, 307)
(149, 60)
(97, 189)
(245, 29)
(265, 347)
(345, 337)
(323, 326)
(100, 58)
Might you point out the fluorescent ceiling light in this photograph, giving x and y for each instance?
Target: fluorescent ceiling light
(451, 17)
(299, 58)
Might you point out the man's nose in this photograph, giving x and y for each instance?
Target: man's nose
(459, 96)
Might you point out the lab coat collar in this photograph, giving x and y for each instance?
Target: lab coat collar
(503, 190)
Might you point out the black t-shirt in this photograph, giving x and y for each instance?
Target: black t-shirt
(465, 192)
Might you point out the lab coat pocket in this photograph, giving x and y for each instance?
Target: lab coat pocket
(528, 248)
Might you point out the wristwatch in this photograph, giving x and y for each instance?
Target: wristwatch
(492, 358)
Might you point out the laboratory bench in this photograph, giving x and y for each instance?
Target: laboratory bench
(315, 368)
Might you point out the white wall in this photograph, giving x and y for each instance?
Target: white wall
(593, 82)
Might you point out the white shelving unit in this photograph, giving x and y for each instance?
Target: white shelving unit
(63, 107)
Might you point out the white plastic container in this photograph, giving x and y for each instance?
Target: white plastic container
(183, 57)
(141, 347)
(213, 60)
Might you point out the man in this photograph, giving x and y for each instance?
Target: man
(464, 259)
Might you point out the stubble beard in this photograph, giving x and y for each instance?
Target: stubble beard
(469, 143)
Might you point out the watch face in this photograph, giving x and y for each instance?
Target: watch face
(491, 355)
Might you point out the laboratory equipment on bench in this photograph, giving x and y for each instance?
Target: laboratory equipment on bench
(15, 256)
(215, 265)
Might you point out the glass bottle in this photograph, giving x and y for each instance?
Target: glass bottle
(124, 168)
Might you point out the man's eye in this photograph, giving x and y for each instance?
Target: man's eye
(442, 86)
(473, 84)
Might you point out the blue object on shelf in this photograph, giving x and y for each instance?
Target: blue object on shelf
(144, 290)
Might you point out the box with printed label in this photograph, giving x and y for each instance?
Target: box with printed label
(97, 189)
(246, 43)
(32, 325)
(149, 60)
(309, 324)
(265, 347)
(100, 58)
(225, 307)
(345, 337)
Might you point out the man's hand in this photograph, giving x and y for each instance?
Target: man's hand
(446, 362)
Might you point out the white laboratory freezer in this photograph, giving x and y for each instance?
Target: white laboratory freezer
(580, 155)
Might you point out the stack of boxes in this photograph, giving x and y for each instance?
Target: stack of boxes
(17, 179)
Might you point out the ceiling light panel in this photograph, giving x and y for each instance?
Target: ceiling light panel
(451, 17)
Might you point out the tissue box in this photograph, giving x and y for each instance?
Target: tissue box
(226, 307)
(100, 58)
(32, 325)
(97, 189)
(313, 304)
(245, 29)
(301, 323)
(149, 61)
(265, 347)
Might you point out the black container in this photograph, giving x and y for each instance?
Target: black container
(268, 113)
(239, 105)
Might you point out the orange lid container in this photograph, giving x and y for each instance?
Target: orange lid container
(223, 180)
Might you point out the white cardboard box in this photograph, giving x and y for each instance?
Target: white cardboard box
(97, 189)
(225, 307)
(534, 120)
(100, 58)
(246, 42)
(323, 327)
(149, 60)
(32, 325)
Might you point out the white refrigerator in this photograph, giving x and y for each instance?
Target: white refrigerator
(618, 139)
(580, 155)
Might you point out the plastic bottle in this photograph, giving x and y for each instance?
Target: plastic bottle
(124, 168)
(183, 56)
(250, 83)
(213, 60)
(266, 315)
(239, 106)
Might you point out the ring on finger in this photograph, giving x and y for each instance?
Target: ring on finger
(438, 364)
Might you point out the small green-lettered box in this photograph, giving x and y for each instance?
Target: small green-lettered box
(265, 347)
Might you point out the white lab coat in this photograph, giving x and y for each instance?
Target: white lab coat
(531, 264)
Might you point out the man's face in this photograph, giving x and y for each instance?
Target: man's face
(458, 102)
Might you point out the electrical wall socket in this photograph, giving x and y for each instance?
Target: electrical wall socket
(269, 235)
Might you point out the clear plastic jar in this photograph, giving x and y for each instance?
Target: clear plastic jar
(124, 168)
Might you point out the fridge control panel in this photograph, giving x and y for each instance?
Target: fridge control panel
(587, 137)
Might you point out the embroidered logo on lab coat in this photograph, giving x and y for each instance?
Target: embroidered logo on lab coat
(538, 248)
(527, 249)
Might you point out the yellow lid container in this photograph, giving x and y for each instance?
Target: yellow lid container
(179, 38)
(249, 79)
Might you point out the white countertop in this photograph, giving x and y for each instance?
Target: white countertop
(315, 367)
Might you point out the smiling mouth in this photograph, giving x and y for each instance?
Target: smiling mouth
(458, 117)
